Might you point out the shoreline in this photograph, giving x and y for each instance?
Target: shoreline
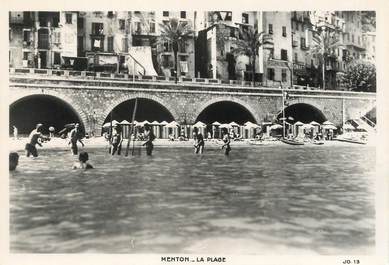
(100, 142)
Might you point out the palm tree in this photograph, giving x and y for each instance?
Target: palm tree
(324, 43)
(174, 32)
(248, 44)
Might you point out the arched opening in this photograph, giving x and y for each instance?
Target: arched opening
(147, 109)
(303, 112)
(225, 112)
(25, 113)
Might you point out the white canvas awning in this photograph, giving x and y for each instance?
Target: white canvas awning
(142, 55)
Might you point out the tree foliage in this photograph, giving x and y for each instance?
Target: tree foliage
(324, 44)
(175, 32)
(249, 42)
(360, 76)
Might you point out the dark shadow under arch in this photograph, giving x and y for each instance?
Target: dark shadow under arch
(303, 112)
(49, 110)
(147, 109)
(225, 112)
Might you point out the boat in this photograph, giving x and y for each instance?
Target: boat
(350, 140)
(317, 142)
(292, 142)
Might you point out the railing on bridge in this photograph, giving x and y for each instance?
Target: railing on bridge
(143, 78)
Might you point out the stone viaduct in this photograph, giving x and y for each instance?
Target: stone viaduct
(185, 100)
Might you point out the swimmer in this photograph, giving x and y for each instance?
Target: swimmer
(83, 157)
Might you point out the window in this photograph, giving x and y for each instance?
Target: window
(97, 28)
(271, 53)
(283, 75)
(122, 24)
(110, 44)
(80, 23)
(166, 47)
(297, 26)
(183, 14)
(68, 18)
(55, 21)
(165, 13)
(270, 74)
(284, 55)
(125, 44)
(352, 38)
(302, 42)
(27, 36)
(152, 27)
(245, 18)
(359, 40)
(270, 28)
(182, 46)
(137, 27)
(283, 31)
(97, 44)
(228, 16)
(110, 14)
(292, 25)
(25, 55)
(57, 37)
(57, 58)
(295, 57)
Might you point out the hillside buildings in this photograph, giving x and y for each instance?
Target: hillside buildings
(130, 42)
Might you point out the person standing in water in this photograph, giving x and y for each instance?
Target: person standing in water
(199, 142)
(34, 138)
(116, 140)
(149, 136)
(227, 141)
(74, 137)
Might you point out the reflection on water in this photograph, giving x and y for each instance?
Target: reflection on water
(266, 200)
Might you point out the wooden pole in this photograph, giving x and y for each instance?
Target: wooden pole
(132, 127)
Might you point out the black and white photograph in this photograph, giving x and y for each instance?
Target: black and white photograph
(193, 135)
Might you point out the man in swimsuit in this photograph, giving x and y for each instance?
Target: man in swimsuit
(116, 141)
(34, 139)
(226, 140)
(74, 137)
(149, 136)
(199, 143)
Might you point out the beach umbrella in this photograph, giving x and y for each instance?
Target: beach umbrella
(172, 124)
(314, 123)
(275, 127)
(251, 125)
(164, 123)
(216, 123)
(290, 118)
(225, 125)
(155, 123)
(233, 124)
(299, 123)
(327, 123)
(145, 122)
(199, 124)
(330, 127)
(267, 123)
(106, 125)
(125, 122)
(308, 126)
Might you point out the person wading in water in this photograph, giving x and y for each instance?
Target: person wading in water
(149, 136)
(227, 141)
(75, 136)
(35, 138)
(199, 142)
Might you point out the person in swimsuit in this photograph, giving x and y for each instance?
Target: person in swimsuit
(116, 141)
(149, 137)
(13, 161)
(74, 137)
(35, 138)
(227, 141)
(83, 157)
(199, 143)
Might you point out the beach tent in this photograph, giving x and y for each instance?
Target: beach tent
(199, 124)
(125, 122)
(276, 127)
(249, 129)
(225, 125)
(164, 123)
(298, 128)
(234, 124)
(171, 129)
(314, 123)
(327, 123)
(216, 123)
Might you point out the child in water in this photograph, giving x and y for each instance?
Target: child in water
(83, 157)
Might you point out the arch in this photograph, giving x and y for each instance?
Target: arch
(242, 103)
(15, 98)
(303, 112)
(114, 103)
